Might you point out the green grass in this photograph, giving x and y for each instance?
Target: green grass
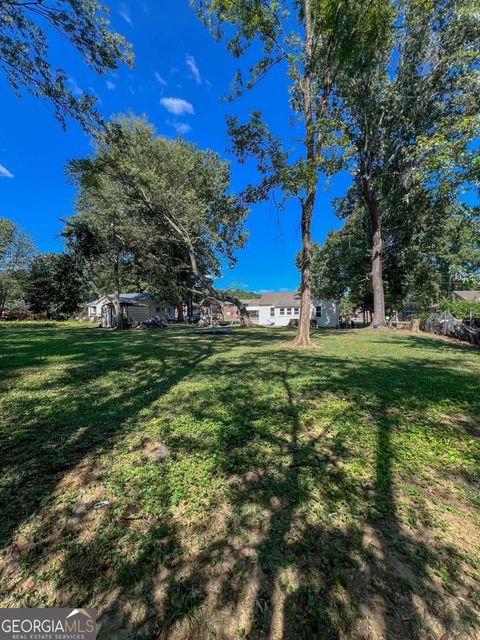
(323, 493)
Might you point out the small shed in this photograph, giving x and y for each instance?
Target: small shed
(136, 307)
(131, 312)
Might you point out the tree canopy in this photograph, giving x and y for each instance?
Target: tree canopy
(26, 57)
(158, 207)
(16, 253)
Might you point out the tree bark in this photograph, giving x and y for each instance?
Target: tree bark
(190, 307)
(180, 316)
(116, 297)
(302, 338)
(116, 282)
(376, 254)
(3, 300)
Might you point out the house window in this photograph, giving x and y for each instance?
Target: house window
(296, 310)
(272, 312)
(92, 311)
(282, 311)
(318, 312)
(289, 311)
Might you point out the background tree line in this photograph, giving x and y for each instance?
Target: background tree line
(409, 234)
(387, 90)
(151, 214)
(48, 284)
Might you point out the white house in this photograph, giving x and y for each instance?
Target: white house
(136, 307)
(277, 309)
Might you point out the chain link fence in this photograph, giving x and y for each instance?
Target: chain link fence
(446, 325)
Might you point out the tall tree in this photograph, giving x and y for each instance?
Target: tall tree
(25, 52)
(428, 254)
(16, 253)
(410, 117)
(174, 215)
(316, 42)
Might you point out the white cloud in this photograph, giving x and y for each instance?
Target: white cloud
(192, 65)
(110, 85)
(124, 11)
(74, 88)
(159, 79)
(177, 106)
(92, 92)
(182, 128)
(5, 173)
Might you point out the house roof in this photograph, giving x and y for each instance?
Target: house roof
(130, 298)
(284, 299)
(468, 295)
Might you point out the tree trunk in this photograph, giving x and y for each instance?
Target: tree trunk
(180, 317)
(3, 300)
(116, 295)
(116, 278)
(302, 338)
(190, 307)
(377, 254)
(377, 279)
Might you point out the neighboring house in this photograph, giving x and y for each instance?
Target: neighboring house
(136, 307)
(231, 311)
(473, 296)
(221, 310)
(278, 309)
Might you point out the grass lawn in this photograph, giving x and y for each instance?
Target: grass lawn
(254, 491)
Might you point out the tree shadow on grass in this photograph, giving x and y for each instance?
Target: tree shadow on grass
(355, 563)
(309, 537)
(98, 385)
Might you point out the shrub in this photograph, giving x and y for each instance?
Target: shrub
(462, 309)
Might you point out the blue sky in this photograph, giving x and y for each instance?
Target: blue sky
(179, 79)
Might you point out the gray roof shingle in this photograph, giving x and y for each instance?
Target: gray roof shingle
(283, 299)
(468, 295)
